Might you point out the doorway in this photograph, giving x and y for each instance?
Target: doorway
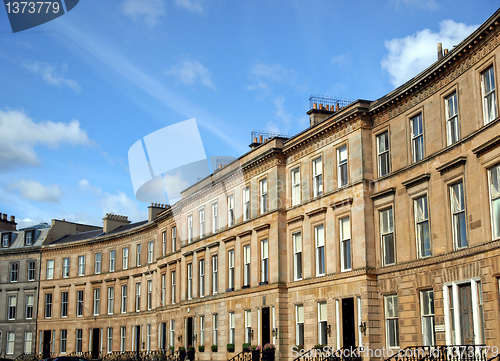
(466, 319)
(137, 341)
(266, 332)
(189, 332)
(164, 336)
(46, 344)
(348, 324)
(95, 342)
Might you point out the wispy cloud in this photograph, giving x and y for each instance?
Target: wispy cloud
(190, 5)
(429, 5)
(410, 55)
(120, 64)
(35, 191)
(191, 71)
(148, 11)
(52, 75)
(284, 121)
(341, 59)
(19, 135)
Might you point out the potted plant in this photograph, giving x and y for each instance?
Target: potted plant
(201, 348)
(246, 347)
(255, 352)
(268, 352)
(230, 347)
(300, 348)
(182, 353)
(190, 353)
(319, 347)
(214, 348)
(171, 348)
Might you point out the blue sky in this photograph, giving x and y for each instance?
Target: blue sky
(77, 92)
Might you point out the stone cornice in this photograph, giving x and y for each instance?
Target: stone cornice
(229, 239)
(245, 233)
(487, 146)
(214, 244)
(455, 163)
(383, 193)
(316, 212)
(298, 218)
(341, 203)
(417, 180)
(262, 227)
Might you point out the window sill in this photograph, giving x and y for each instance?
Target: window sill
(263, 283)
(245, 286)
(230, 290)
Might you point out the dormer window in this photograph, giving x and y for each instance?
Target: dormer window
(28, 238)
(6, 237)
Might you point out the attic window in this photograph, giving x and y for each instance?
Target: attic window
(28, 238)
(6, 239)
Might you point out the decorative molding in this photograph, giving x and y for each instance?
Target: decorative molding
(262, 227)
(341, 203)
(316, 212)
(215, 244)
(163, 265)
(172, 262)
(299, 218)
(384, 193)
(202, 248)
(229, 239)
(95, 281)
(417, 180)
(486, 147)
(110, 280)
(455, 163)
(187, 254)
(245, 233)
(123, 278)
(137, 275)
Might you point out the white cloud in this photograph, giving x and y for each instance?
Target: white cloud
(410, 55)
(35, 191)
(51, 75)
(19, 136)
(264, 75)
(191, 71)
(190, 5)
(284, 120)
(341, 59)
(148, 11)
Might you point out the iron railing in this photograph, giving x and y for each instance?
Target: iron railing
(327, 100)
(242, 356)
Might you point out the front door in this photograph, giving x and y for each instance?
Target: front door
(266, 331)
(466, 320)
(95, 342)
(137, 341)
(189, 336)
(163, 336)
(46, 344)
(348, 324)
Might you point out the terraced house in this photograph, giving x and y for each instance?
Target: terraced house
(379, 225)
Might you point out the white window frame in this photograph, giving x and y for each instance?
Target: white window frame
(30, 304)
(387, 238)
(190, 228)
(458, 217)
(79, 303)
(172, 289)
(248, 326)
(345, 244)
(246, 265)
(417, 139)
(317, 167)
(264, 261)
(299, 325)
(189, 268)
(215, 215)
(230, 270)
(421, 219)
(428, 317)
(295, 175)
(28, 342)
(172, 333)
(123, 338)
(230, 211)
(109, 340)
(11, 340)
(112, 260)
(81, 265)
(138, 250)
(391, 321)
(149, 285)
(123, 299)
(232, 328)
(31, 270)
(137, 296)
(48, 305)
(297, 256)
(215, 274)
(11, 307)
(322, 323)
(263, 196)
(489, 95)
(494, 196)
(111, 300)
(97, 301)
(50, 269)
(97, 263)
(383, 154)
(174, 239)
(163, 289)
(79, 340)
(64, 304)
(202, 330)
(164, 243)
(246, 203)
(319, 241)
(125, 256)
(65, 267)
(14, 271)
(342, 166)
(151, 251)
(63, 344)
(215, 329)
(201, 280)
(202, 222)
(451, 112)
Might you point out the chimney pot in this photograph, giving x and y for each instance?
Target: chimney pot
(260, 138)
(4, 217)
(320, 106)
(220, 166)
(445, 51)
(440, 50)
(255, 139)
(315, 105)
(12, 218)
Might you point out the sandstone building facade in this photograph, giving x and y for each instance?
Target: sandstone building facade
(379, 225)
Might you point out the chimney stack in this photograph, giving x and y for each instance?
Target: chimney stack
(440, 50)
(6, 225)
(155, 209)
(113, 221)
